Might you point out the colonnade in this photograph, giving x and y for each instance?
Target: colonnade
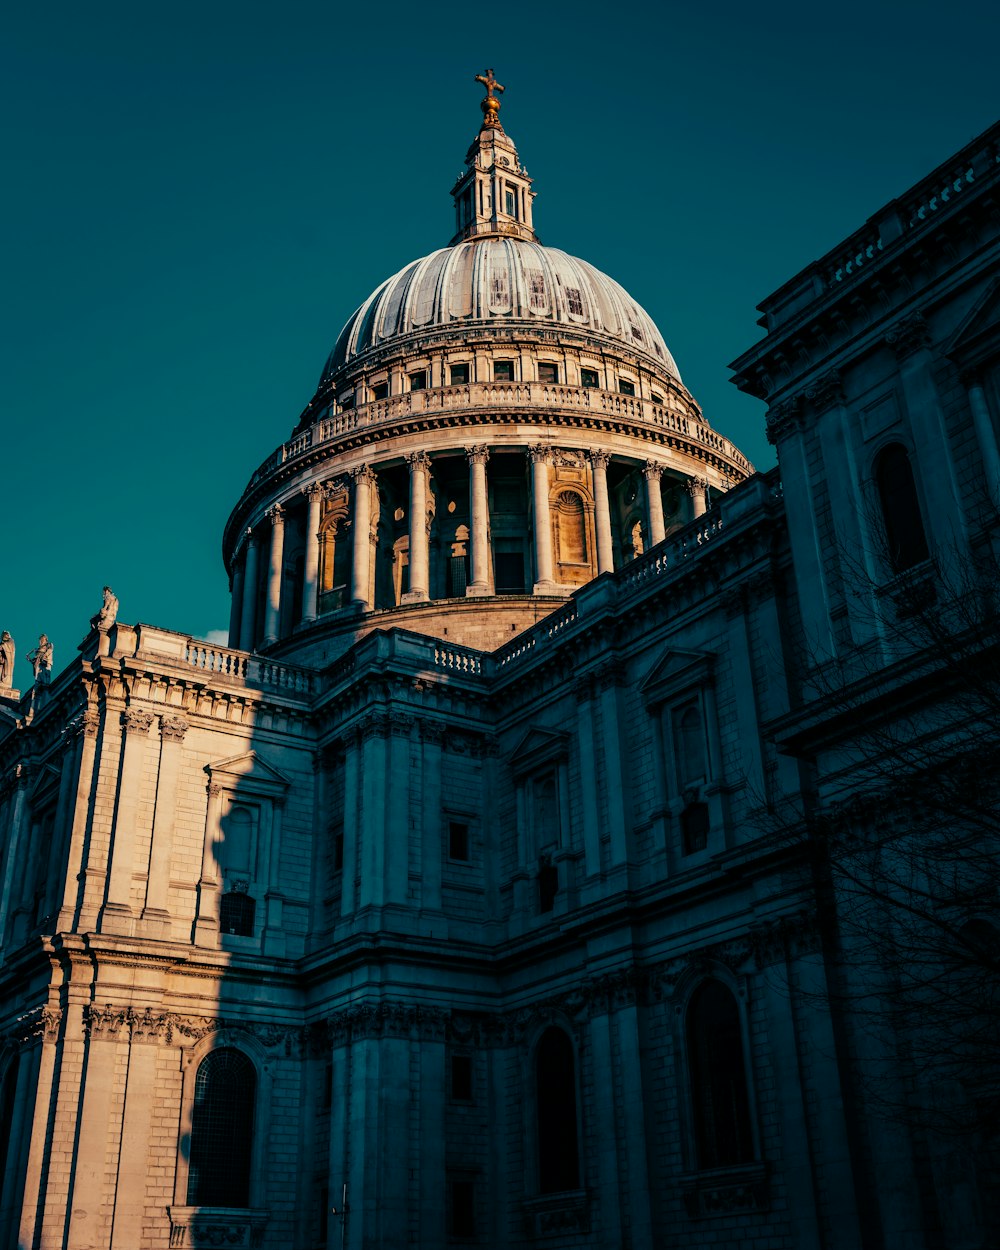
(246, 570)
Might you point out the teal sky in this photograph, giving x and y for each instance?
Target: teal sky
(197, 196)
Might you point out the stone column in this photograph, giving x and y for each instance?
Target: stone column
(602, 511)
(696, 488)
(272, 610)
(364, 479)
(310, 587)
(206, 925)
(89, 723)
(118, 908)
(236, 607)
(986, 437)
(480, 515)
(16, 835)
(172, 731)
(419, 464)
(652, 472)
(540, 457)
(248, 617)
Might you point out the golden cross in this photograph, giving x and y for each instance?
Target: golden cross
(489, 82)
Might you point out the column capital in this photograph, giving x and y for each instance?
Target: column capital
(908, 335)
(477, 455)
(696, 485)
(826, 391)
(539, 453)
(652, 469)
(600, 459)
(363, 473)
(136, 721)
(784, 418)
(276, 514)
(314, 492)
(250, 536)
(173, 728)
(418, 460)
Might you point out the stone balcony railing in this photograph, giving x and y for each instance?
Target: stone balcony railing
(451, 402)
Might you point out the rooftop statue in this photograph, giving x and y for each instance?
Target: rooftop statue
(6, 660)
(40, 660)
(108, 613)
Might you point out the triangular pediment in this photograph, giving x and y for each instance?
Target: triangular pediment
(539, 746)
(676, 671)
(45, 783)
(247, 771)
(977, 339)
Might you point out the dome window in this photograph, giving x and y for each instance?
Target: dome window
(510, 202)
(588, 377)
(626, 387)
(547, 371)
(418, 380)
(460, 373)
(381, 391)
(503, 370)
(574, 301)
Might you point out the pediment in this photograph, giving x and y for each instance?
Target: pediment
(977, 339)
(45, 784)
(248, 771)
(539, 746)
(676, 671)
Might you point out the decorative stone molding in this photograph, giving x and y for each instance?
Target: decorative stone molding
(651, 470)
(558, 1215)
(173, 728)
(41, 1023)
(433, 731)
(826, 391)
(538, 453)
(276, 514)
(908, 336)
(600, 459)
(217, 1226)
(784, 418)
(418, 460)
(363, 473)
(136, 720)
(696, 485)
(727, 1192)
(477, 455)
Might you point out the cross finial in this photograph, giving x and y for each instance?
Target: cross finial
(491, 104)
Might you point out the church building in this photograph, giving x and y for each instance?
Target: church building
(470, 896)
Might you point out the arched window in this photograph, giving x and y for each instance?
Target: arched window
(222, 1130)
(904, 528)
(719, 1096)
(555, 1100)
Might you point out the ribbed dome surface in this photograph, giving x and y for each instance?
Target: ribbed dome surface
(498, 281)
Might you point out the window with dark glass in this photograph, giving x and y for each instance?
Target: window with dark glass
(418, 380)
(222, 1124)
(906, 542)
(548, 886)
(547, 372)
(719, 1098)
(509, 572)
(657, 399)
(338, 851)
(555, 1102)
(327, 1086)
(458, 575)
(503, 370)
(588, 377)
(461, 1078)
(236, 913)
(461, 1208)
(626, 388)
(510, 203)
(694, 827)
(381, 391)
(459, 373)
(458, 840)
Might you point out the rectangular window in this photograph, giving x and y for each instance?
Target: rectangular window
(462, 1208)
(510, 203)
(626, 388)
(327, 1086)
(459, 373)
(338, 851)
(458, 576)
(458, 840)
(547, 372)
(418, 380)
(657, 399)
(461, 1078)
(548, 887)
(536, 286)
(503, 370)
(588, 377)
(381, 391)
(509, 572)
(574, 301)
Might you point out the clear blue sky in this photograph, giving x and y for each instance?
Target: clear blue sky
(197, 196)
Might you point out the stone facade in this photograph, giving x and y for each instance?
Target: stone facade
(439, 911)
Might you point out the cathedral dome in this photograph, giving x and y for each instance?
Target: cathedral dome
(493, 282)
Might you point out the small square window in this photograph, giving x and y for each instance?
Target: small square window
(381, 391)
(462, 1209)
(588, 377)
(547, 372)
(458, 840)
(461, 1078)
(459, 373)
(503, 370)
(418, 380)
(657, 399)
(626, 388)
